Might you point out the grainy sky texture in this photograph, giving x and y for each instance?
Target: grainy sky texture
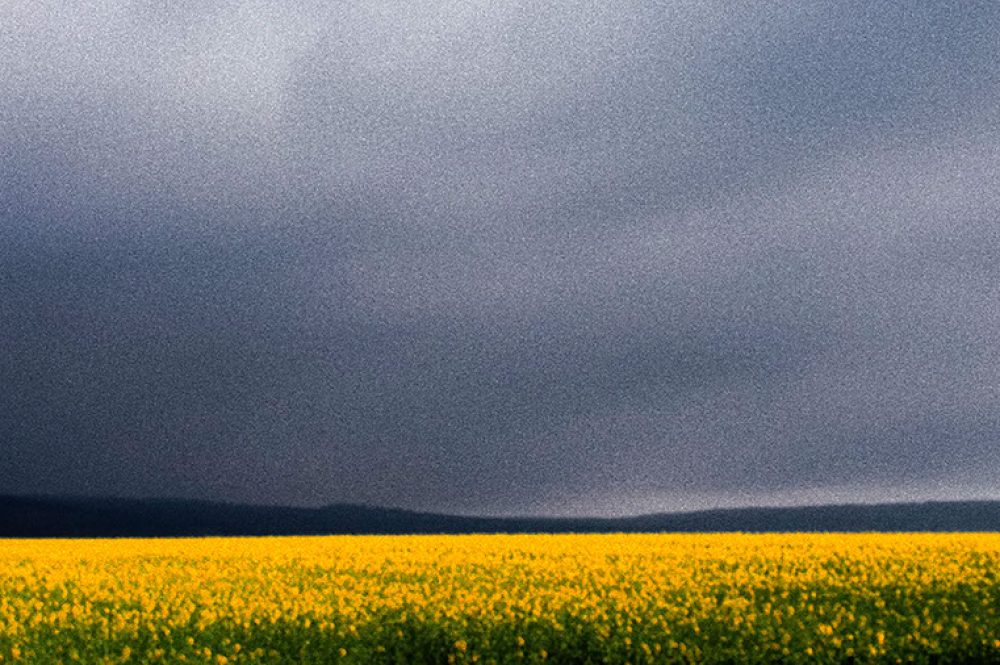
(501, 257)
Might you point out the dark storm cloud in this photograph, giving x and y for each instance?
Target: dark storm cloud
(500, 257)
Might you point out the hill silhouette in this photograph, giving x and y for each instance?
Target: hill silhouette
(36, 517)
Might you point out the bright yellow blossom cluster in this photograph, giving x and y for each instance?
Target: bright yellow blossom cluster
(503, 598)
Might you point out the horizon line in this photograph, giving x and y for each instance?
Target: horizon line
(547, 517)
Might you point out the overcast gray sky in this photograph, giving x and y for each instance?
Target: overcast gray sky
(501, 257)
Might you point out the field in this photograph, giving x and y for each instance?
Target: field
(493, 599)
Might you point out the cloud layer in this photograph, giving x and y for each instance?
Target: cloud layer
(493, 257)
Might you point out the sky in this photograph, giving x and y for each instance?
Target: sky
(501, 257)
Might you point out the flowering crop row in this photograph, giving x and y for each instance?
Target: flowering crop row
(502, 598)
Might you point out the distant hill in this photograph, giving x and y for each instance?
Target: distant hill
(34, 517)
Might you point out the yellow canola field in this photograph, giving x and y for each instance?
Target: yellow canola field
(503, 598)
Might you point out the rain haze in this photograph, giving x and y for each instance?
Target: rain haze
(570, 258)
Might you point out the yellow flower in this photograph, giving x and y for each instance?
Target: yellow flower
(651, 590)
